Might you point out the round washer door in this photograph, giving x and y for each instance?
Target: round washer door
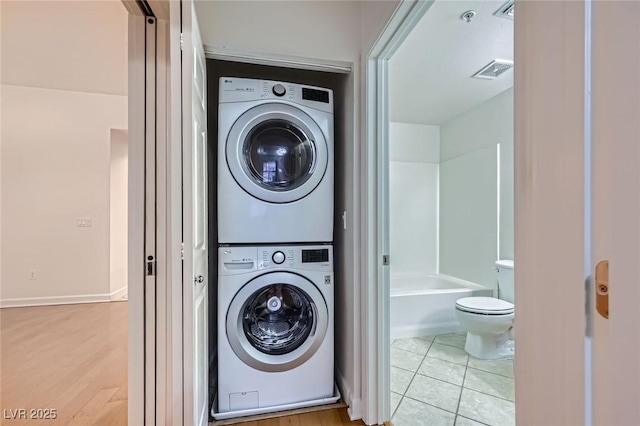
(277, 321)
(276, 153)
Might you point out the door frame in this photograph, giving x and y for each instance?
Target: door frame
(549, 148)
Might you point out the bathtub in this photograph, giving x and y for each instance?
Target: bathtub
(424, 305)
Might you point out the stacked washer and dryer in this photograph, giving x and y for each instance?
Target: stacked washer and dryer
(275, 255)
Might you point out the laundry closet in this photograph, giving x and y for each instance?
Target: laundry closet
(308, 55)
(276, 173)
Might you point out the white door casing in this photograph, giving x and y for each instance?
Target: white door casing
(195, 274)
(615, 127)
(374, 243)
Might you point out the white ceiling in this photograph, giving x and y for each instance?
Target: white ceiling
(430, 74)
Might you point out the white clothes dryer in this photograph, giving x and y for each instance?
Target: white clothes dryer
(275, 329)
(275, 162)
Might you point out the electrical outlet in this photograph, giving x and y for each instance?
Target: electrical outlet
(32, 274)
(84, 222)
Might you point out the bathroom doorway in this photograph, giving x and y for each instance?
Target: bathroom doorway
(450, 217)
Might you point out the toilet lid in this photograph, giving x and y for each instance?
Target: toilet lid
(485, 305)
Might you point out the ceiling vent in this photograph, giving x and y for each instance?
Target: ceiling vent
(506, 10)
(494, 69)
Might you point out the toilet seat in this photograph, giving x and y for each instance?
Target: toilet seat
(484, 306)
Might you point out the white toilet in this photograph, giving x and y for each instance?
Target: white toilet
(488, 320)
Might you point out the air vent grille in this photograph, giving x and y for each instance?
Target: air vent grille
(494, 69)
(506, 10)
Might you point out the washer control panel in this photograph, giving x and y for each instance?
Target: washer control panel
(241, 259)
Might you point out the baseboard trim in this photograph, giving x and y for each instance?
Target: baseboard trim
(55, 300)
(354, 409)
(119, 294)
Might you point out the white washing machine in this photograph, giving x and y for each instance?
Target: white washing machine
(275, 162)
(275, 329)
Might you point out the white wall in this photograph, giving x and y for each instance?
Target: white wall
(469, 190)
(118, 207)
(414, 153)
(63, 88)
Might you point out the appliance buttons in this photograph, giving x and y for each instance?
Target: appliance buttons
(279, 90)
(278, 257)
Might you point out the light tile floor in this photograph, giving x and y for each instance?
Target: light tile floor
(435, 382)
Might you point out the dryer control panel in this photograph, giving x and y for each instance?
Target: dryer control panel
(241, 259)
(234, 89)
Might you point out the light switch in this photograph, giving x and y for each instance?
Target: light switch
(84, 222)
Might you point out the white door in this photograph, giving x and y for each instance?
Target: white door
(615, 126)
(195, 278)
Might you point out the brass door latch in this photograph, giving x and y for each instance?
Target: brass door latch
(602, 288)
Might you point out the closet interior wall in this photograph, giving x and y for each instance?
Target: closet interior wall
(340, 84)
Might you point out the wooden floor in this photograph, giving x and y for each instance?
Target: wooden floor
(334, 417)
(73, 358)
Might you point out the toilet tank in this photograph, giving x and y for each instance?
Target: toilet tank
(506, 280)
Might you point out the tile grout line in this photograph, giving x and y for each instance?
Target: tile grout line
(412, 377)
(491, 372)
(462, 386)
(488, 394)
(464, 377)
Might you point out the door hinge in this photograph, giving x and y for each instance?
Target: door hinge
(151, 266)
(385, 259)
(181, 41)
(182, 251)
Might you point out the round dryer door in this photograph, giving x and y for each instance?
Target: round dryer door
(277, 153)
(277, 321)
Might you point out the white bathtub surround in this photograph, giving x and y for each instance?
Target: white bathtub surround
(414, 154)
(413, 217)
(476, 202)
(449, 387)
(425, 305)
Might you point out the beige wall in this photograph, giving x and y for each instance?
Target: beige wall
(70, 45)
(63, 88)
(118, 208)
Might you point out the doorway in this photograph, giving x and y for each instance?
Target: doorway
(118, 212)
(450, 181)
